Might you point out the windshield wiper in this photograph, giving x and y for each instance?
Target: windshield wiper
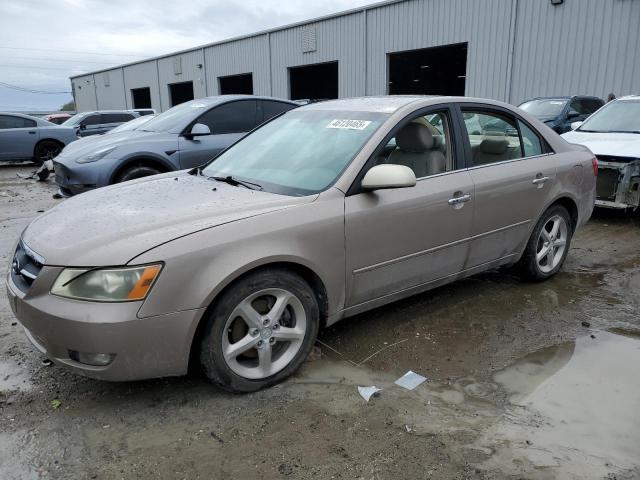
(609, 131)
(235, 182)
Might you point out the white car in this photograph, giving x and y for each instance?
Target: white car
(613, 135)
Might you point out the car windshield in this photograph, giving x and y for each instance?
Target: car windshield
(175, 116)
(73, 121)
(300, 153)
(544, 108)
(620, 116)
(131, 124)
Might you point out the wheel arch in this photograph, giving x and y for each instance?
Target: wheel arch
(307, 273)
(144, 160)
(47, 139)
(570, 205)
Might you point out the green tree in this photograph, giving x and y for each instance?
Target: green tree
(69, 106)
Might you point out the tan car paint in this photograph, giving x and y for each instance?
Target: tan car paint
(363, 250)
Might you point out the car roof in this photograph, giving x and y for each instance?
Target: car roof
(218, 99)
(23, 115)
(381, 104)
(562, 97)
(629, 97)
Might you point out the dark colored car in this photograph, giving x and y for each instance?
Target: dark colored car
(95, 123)
(560, 112)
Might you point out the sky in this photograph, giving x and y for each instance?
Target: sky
(44, 42)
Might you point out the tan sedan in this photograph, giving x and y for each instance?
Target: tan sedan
(330, 210)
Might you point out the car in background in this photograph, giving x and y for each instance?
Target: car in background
(328, 211)
(124, 127)
(613, 135)
(560, 112)
(185, 136)
(23, 137)
(57, 118)
(95, 123)
(143, 111)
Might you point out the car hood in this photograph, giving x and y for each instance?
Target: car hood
(613, 144)
(91, 144)
(112, 225)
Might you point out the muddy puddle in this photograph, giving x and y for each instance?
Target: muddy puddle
(573, 410)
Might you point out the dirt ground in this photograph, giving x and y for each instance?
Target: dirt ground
(524, 381)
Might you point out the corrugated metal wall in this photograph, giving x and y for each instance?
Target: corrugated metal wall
(142, 75)
(84, 93)
(249, 55)
(110, 89)
(517, 49)
(190, 71)
(340, 39)
(580, 47)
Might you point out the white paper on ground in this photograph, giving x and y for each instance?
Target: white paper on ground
(410, 380)
(368, 392)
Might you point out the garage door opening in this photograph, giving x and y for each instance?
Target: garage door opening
(429, 71)
(236, 84)
(314, 82)
(180, 92)
(141, 97)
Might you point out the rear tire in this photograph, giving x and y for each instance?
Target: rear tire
(137, 171)
(548, 245)
(46, 150)
(259, 331)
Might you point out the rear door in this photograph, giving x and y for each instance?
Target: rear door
(514, 173)
(405, 238)
(18, 137)
(92, 125)
(112, 120)
(228, 122)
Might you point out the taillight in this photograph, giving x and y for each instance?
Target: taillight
(594, 164)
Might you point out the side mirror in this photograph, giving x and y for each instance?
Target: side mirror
(576, 125)
(199, 130)
(388, 176)
(82, 126)
(572, 114)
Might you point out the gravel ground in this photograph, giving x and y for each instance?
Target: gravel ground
(524, 381)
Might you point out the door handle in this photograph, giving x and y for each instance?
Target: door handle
(539, 180)
(460, 199)
(32, 133)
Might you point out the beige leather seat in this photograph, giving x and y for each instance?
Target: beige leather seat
(492, 149)
(416, 149)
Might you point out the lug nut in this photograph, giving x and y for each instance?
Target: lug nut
(260, 342)
(254, 332)
(275, 326)
(265, 322)
(272, 340)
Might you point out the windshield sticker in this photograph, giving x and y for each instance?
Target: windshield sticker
(349, 124)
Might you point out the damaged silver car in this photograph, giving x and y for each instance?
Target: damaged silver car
(613, 134)
(330, 210)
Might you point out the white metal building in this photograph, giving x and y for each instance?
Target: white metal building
(508, 50)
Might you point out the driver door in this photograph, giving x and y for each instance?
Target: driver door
(227, 122)
(405, 238)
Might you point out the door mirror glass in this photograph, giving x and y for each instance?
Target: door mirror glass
(576, 125)
(199, 130)
(388, 176)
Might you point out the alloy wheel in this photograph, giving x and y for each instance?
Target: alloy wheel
(552, 243)
(264, 333)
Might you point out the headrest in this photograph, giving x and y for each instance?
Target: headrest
(494, 145)
(415, 138)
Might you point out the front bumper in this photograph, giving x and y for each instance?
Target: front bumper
(74, 178)
(618, 184)
(143, 348)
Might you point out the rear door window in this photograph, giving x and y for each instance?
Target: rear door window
(9, 121)
(234, 117)
(493, 136)
(93, 120)
(531, 142)
(116, 117)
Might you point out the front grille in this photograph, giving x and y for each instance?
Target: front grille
(25, 267)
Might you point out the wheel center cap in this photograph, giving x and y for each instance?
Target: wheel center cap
(265, 333)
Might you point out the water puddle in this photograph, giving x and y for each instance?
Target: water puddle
(574, 410)
(13, 377)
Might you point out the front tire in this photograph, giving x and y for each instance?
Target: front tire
(259, 331)
(548, 245)
(46, 150)
(137, 171)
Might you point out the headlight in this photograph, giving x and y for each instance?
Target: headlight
(97, 155)
(106, 284)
